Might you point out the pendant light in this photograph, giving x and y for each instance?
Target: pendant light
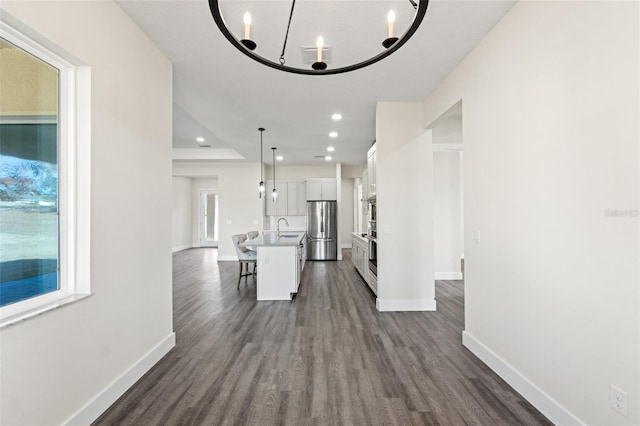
(274, 194)
(261, 187)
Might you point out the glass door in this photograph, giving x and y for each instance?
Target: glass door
(208, 219)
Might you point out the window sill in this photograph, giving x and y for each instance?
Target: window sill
(39, 310)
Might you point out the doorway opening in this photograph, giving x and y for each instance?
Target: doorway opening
(448, 207)
(208, 229)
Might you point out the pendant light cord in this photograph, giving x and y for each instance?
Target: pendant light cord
(261, 188)
(286, 36)
(273, 150)
(261, 130)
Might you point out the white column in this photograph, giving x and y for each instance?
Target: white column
(404, 179)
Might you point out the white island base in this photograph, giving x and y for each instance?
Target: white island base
(277, 272)
(280, 261)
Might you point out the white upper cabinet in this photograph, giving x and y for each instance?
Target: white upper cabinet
(291, 199)
(371, 171)
(282, 199)
(296, 198)
(322, 189)
(329, 190)
(314, 190)
(271, 207)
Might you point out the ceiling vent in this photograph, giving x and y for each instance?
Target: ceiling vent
(310, 54)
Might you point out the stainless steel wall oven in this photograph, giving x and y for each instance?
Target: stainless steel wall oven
(372, 236)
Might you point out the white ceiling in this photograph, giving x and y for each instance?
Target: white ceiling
(224, 96)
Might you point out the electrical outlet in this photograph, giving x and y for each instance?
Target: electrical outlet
(255, 222)
(476, 236)
(618, 400)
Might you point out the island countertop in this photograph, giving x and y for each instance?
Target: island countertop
(271, 239)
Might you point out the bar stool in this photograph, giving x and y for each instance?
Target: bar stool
(245, 257)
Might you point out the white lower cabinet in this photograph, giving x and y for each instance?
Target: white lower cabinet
(360, 259)
(304, 253)
(299, 266)
(278, 272)
(280, 269)
(373, 283)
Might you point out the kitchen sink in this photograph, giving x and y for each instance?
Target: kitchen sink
(289, 236)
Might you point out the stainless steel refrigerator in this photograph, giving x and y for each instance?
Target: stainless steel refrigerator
(322, 230)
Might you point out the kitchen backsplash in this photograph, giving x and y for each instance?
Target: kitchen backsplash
(296, 223)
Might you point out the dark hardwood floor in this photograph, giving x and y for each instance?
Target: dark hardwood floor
(327, 357)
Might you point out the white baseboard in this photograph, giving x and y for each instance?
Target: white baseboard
(180, 248)
(227, 258)
(346, 245)
(99, 403)
(448, 275)
(536, 396)
(391, 305)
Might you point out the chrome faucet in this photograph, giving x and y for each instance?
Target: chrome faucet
(285, 221)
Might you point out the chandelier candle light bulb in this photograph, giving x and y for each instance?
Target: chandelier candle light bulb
(319, 65)
(391, 18)
(247, 26)
(319, 45)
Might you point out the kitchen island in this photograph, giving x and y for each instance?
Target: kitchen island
(280, 263)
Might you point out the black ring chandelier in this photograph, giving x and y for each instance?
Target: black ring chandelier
(247, 46)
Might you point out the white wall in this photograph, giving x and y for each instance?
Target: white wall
(447, 220)
(240, 208)
(448, 130)
(405, 208)
(550, 108)
(55, 363)
(300, 172)
(353, 172)
(181, 213)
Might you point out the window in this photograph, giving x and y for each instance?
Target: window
(40, 201)
(28, 176)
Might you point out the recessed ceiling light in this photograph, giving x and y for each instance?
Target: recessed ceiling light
(336, 117)
(333, 134)
(330, 149)
(328, 158)
(200, 139)
(279, 158)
